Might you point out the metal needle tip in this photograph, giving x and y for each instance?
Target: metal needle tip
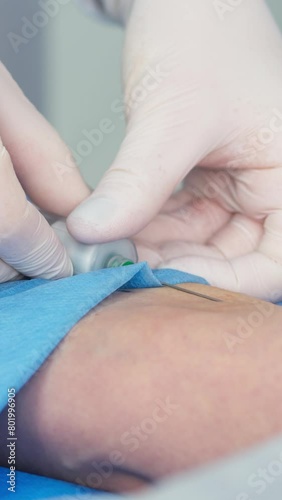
(190, 292)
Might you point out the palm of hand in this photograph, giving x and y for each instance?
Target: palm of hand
(220, 109)
(224, 225)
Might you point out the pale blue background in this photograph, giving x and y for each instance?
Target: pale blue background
(71, 71)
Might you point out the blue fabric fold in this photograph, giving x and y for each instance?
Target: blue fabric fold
(33, 487)
(35, 315)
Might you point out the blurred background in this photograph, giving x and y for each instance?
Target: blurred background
(70, 69)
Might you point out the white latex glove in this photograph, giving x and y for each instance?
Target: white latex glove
(33, 160)
(202, 88)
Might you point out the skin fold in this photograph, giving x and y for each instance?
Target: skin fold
(149, 383)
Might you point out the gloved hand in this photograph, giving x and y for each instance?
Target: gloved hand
(202, 88)
(33, 160)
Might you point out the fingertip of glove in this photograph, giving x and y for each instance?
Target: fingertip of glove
(93, 221)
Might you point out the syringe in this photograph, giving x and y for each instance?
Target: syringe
(86, 258)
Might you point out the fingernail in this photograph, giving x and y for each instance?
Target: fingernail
(93, 214)
(95, 211)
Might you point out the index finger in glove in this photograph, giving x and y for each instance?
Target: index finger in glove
(42, 162)
(27, 242)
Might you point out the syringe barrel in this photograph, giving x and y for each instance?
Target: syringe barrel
(86, 258)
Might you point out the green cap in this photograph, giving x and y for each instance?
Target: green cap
(118, 261)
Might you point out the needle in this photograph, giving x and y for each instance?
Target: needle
(180, 289)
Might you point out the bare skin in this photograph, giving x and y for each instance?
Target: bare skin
(153, 382)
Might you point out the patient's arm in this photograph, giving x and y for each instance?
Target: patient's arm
(153, 381)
